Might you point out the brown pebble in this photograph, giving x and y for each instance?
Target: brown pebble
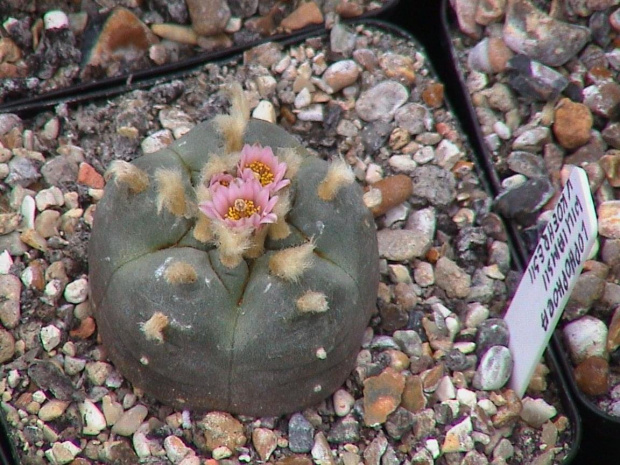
(89, 177)
(610, 162)
(294, 460)
(208, 17)
(413, 398)
(572, 124)
(382, 395)
(85, 330)
(433, 95)
(394, 191)
(306, 14)
(498, 54)
(222, 429)
(7, 345)
(613, 333)
(592, 376)
(9, 51)
(347, 9)
(398, 66)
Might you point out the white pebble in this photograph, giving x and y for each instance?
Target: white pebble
(312, 113)
(62, 452)
(466, 397)
(6, 261)
(27, 210)
(52, 197)
(265, 111)
(55, 19)
(157, 141)
(141, 444)
(586, 337)
(343, 402)
(402, 163)
(77, 291)
(94, 421)
(303, 98)
(50, 337)
(536, 412)
(502, 130)
(374, 173)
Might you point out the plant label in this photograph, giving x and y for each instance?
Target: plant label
(550, 277)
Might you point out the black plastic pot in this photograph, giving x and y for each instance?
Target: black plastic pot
(424, 22)
(144, 78)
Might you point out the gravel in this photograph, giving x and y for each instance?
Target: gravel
(419, 389)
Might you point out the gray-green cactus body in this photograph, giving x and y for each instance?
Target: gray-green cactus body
(236, 338)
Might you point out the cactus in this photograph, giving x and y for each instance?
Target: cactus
(217, 285)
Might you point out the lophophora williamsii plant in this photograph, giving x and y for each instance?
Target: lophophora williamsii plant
(233, 270)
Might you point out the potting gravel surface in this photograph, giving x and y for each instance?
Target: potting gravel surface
(48, 46)
(547, 97)
(428, 385)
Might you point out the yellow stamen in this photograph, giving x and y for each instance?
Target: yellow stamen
(242, 208)
(262, 172)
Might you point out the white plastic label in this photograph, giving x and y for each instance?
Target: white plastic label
(550, 277)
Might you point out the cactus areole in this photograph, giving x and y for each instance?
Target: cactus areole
(233, 270)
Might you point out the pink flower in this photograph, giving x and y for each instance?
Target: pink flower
(219, 180)
(242, 203)
(260, 163)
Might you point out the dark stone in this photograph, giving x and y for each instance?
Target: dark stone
(345, 430)
(491, 332)
(456, 360)
(524, 200)
(534, 80)
(243, 8)
(175, 10)
(374, 136)
(600, 28)
(300, 434)
(399, 423)
(527, 164)
(46, 375)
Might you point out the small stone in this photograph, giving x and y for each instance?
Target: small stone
(536, 412)
(321, 452)
(530, 31)
(491, 332)
(434, 184)
(157, 141)
(222, 429)
(414, 118)
(381, 101)
(52, 410)
(401, 244)
(176, 450)
(7, 345)
(343, 402)
(534, 80)
(345, 430)
(490, 11)
(10, 292)
(494, 369)
(50, 337)
(586, 337)
(532, 140)
(572, 124)
(77, 291)
(447, 154)
(300, 434)
(176, 32)
(265, 442)
(375, 450)
(208, 17)
(603, 99)
(458, 438)
(129, 422)
(394, 191)
(592, 376)
(452, 279)
(112, 411)
(62, 453)
(527, 164)
(123, 38)
(46, 198)
(613, 334)
(341, 74)
(312, 113)
(609, 219)
(433, 95)
(94, 421)
(55, 19)
(22, 171)
(402, 67)
(306, 14)
(466, 14)
(221, 452)
(342, 40)
(59, 170)
(382, 395)
(520, 202)
(265, 111)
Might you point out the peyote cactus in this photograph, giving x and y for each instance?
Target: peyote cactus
(233, 270)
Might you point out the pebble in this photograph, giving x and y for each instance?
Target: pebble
(382, 395)
(300, 434)
(10, 292)
(62, 453)
(375, 450)
(265, 442)
(157, 141)
(175, 448)
(458, 438)
(401, 244)
(55, 19)
(491, 332)
(52, 409)
(130, 420)
(312, 113)
(572, 124)
(176, 32)
(51, 197)
(603, 99)
(22, 171)
(529, 31)
(537, 412)
(222, 429)
(402, 67)
(112, 410)
(452, 278)
(50, 337)
(381, 101)
(414, 118)
(592, 376)
(434, 184)
(343, 402)
(59, 170)
(265, 111)
(345, 430)
(77, 291)
(586, 337)
(394, 191)
(7, 345)
(494, 369)
(534, 80)
(208, 17)
(307, 13)
(609, 219)
(94, 421)
(321, 452)
(341, 74)
(613, 333)
(520, 202)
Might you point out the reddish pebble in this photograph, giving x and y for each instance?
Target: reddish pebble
(89, 177)
(306, 14)
(592, 376)
(85, 330)
(413, 398)
(572, 125)
(433, 95)
(382, 395)
(394, 191)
